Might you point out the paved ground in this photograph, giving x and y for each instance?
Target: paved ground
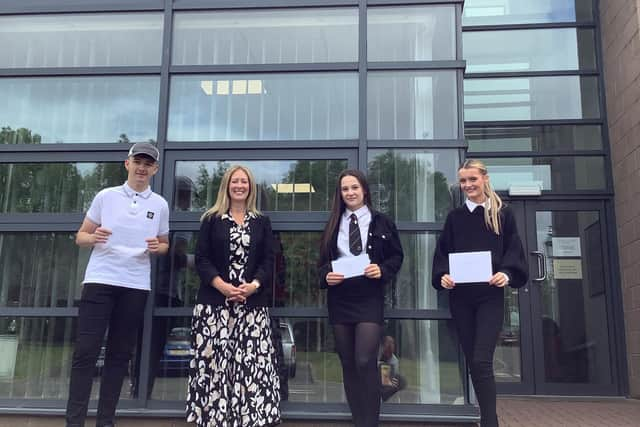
(514, 412)
(557, 412)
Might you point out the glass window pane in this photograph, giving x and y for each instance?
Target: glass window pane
(55, 110)
(529, 50)
(428, 361)
(81, 40)
(422, 33)
(492, 12)
(36, 358)
(412, 105)
(412, 288)
(55, 187)
(177, 281)
(283, 185)
(537, 139)
(557, 174)
(531, 98)
(264, 107)
(412, 185)
(41, 269)
(266, 36)
(296, 278)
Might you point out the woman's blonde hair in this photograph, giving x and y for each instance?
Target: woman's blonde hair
(223, 202)
(491, 215)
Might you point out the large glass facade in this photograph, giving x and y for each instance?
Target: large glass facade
(297, 93)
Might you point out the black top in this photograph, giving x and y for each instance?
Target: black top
(383, 248)
(466, 231)
(212, 259)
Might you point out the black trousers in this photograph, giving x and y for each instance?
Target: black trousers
(121, 311)
(478, 313)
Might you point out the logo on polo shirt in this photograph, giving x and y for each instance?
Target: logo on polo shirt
(149, 214)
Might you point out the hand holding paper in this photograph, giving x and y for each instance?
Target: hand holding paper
(470, 267)
(351, 266)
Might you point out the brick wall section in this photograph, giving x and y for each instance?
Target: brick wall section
(620, 22)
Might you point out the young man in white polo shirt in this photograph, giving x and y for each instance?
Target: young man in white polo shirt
(124, 225)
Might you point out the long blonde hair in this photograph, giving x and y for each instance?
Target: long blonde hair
(223, 202)
(491, 215)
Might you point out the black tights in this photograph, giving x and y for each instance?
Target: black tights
(478, 317)
(357, 345)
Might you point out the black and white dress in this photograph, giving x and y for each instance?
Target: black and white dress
(233, 380)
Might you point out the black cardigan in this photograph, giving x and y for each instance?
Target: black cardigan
(466, 231)
(383, 248)
(212, 259)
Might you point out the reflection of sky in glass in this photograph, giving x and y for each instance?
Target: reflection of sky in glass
(81, 40)
(265, 171)
(531, 98)
(82, 109)
(263, 107)
(422, 33)
(486, 12)
(524, 50)
(266, 36)
(412, 105)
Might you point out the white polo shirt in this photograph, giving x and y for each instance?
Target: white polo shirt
(131, 217)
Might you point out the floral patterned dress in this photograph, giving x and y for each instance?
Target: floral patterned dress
(233, 380)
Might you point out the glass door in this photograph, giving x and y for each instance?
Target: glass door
(555, 338)
(569, 293)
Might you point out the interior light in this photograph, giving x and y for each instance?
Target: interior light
(207, 87)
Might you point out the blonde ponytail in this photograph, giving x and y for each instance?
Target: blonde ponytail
(492, 214)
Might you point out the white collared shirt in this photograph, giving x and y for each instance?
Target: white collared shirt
(364, 219)
(132, 217)
(473, 205)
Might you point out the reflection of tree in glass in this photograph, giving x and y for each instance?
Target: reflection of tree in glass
(207, 185)
(18, 136)
(51, 187)
(407, 188)
(301, 254)
(319, 175)
(41, 269)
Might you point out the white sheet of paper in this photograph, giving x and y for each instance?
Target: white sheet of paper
(470, 267)
(351, 266)
(128, 241)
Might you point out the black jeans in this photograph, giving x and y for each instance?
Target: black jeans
(121, 311)
(478, 313)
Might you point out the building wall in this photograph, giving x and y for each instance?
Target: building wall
(620, 21)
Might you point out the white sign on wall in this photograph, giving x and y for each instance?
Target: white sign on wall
(565, 246)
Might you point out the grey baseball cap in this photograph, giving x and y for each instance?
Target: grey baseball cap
(146, 149)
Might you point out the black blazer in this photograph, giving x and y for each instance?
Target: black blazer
(212, 259)
(383, 248)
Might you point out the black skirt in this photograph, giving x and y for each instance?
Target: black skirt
(356, 300)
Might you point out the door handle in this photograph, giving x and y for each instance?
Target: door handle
(542, 266)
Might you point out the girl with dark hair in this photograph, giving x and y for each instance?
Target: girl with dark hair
(483, 223)
(355, 304)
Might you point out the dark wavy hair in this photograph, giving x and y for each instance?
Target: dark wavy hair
(337, 209)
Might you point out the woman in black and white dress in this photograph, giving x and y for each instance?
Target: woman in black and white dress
(356, 304)
(233, 380)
